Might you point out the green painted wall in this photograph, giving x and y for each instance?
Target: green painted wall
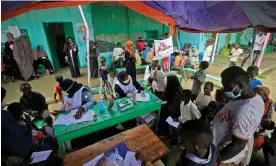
(118, 19)
(33, 22)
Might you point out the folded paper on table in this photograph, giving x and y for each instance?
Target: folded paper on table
(143, 98)
(94, 161)
(40, 156)
(171, 122)
(70, 118)
(131, 160)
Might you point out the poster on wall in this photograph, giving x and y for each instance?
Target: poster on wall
(81, 33)
(163, 48)
(15, 31)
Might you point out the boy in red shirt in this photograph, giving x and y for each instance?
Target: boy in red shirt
(57, 89)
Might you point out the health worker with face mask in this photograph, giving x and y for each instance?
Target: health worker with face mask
(125, 85)
(78, 97)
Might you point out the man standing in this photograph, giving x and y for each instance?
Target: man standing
(258, 45)
(118, 57)
(93, 55)
(235, 55)
(235, 124)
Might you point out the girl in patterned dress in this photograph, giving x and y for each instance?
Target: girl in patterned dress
(106, 87)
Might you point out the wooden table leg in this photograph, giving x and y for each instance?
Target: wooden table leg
(158, 119)
(61, 149)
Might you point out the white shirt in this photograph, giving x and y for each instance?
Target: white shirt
(188, 112)
(259, 41)
(239, 118)
(207, 53)
(117, 53)
(203, 100)
(149, 73)
(235, 54)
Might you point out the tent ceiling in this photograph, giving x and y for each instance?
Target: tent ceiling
(193, 16)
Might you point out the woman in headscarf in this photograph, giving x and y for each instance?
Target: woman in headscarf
(194, 56)
(79, 97)
(10, 65)
(125, 84)
(42, 58)
(159, 83)
(93, 56)
(172, 96)
(71, 50)
(130, 59)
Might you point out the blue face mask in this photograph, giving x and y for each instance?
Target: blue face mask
(232, 95)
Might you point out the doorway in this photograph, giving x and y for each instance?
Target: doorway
(56, 35)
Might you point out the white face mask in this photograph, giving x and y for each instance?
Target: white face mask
(11, 47)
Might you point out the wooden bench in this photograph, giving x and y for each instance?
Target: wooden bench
(135, 139)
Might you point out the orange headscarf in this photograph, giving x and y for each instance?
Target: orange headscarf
(128, 47)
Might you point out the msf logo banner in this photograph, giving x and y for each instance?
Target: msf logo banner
(163, 48)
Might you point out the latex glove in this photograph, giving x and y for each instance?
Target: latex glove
(79, 113)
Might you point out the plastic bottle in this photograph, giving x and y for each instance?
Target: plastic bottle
(134, 96)
(101, 105)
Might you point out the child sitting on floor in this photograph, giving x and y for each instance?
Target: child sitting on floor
(106, 87)
(188, 109)
(57, 89)
(199, 79)
(252, 72)
(196, 137)
(204, 98)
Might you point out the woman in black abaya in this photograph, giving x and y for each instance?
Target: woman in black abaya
(71, 51)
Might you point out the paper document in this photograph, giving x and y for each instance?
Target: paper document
(70, 118)
(130, 159)
(143, 98)
(171, 122)
(40, 156)
(114, 158)
(94, 161)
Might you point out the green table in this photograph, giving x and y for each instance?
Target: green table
(142, 67)
(65, 133)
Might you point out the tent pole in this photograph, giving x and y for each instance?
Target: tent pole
(214, 48)
(252, 47)
(87, 43)
(263, 50)
(177, 37)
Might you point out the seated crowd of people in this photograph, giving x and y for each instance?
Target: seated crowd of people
(10, 64)
(213, 130)
(235, 118)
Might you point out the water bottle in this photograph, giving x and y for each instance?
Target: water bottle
(101, 105)
(134, 96)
